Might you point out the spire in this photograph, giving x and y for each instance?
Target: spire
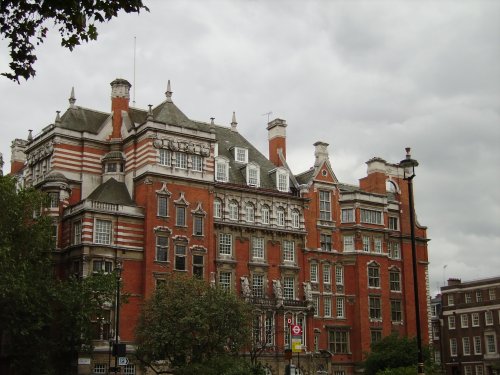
(168, 93)
(57, 121)
(234, 123)
(150, 112)
(72, 98)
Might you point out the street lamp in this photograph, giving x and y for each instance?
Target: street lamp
(408, 165)
(119, 350)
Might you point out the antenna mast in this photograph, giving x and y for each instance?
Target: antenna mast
(133, 86)
(267, 114)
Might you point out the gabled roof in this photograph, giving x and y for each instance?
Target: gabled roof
(304, 177)
(227, 140)
(83, 120)
(113, 192)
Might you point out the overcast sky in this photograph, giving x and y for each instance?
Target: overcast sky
(369, 78)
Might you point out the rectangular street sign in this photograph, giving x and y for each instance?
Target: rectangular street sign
(297, 345)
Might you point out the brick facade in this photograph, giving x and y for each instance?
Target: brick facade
(159, 193)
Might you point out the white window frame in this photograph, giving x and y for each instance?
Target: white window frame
(327, 274)
(325, 205)
(241, 155)
(475, 319)
(488, 318)
(265, 214)
(466, 345)
(327, 306)
(198, 225)
(348, 241)
(370, 216)
(451, 300)
(366, 243)
(314, 272)
(253, 175)
(282, 180)
(492, 294)
(161, 247)
(339, 275)
(392, 220)
(249, 213)
(288, 251)
(451, 322)
(221, 170)
(77, 232)
(225, 279)
(103, 235)
(377, 245)
(490, 342)
(258, 285)
(180, 216)
(257, 248)
(340, 307)
(233, 210)
(197, 163)
(315, 302)
(477, 345)
(453, 347)
(347, 215)
(289, 288)
(217, 208)
(464, 320)
(373, 271)
(164, 157)
(479, 296)
(280, 217)
(395, 280)
(180, 160)
(225, 244)
(295, 219)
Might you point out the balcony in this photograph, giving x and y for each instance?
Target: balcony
(89, 205)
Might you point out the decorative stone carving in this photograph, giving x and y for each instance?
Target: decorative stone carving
(212, 279)
(245, 287)
(307, 291)
(278, 292)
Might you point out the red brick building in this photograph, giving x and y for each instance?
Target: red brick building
(156, 192)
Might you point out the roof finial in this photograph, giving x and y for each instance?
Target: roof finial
(58, 117)
(234, 123)
(72, 98)
(212, 120)
(168, 93)
(30, 135)
(150, 112)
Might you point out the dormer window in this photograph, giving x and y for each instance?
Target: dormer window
(241, 155)
(221, 170)
(282, 180)
(253, 175)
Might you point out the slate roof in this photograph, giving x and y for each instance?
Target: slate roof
(304, 177)
(228, 139)
(168, 113)
(113, 192)
(83, 119)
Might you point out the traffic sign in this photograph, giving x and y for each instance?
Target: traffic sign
(296, 330)
(122, 361)
(296, 345)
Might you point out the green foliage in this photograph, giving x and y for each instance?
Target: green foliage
(391, 352)
(24, 24)
(187, 322)
(221, 365)
(43, 321)
(410, 370)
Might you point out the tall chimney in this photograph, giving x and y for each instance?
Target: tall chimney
(276, 131)
(120, 97)
(18, 156)
(320, 153)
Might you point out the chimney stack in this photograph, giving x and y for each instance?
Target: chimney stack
(276, 131)
(320, 153)
(18, 156)
(120, 97)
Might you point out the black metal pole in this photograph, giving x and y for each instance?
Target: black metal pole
(420, 366)
(117, 318)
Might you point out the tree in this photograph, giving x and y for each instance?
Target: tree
(24, 24)
(187, 322)
(395, 355)
(44, 321)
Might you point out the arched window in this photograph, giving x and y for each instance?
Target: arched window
(373, 275)
(250, 213)
(280, 217)
(264, 214)
(217, 208)
(295, 218)
(233, 210)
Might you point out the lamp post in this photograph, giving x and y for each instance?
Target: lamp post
(408, 165)
(118, 349)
